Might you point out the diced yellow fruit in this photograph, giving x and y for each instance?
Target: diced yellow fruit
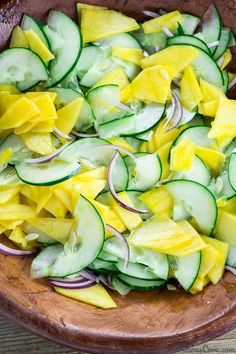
(210, 92)
(122, 143)
(39, 195)
(182, 155)
(128, 218)
(151, 146)
(18, 38)
(43, 127)
(163, 153)
(229, 205)
(37, 46)
(7, 100)
(90, 188)
(225, 227)
(68, 115)
(209, 109)
(58, 229)
(18, 237)
(143, 147)
(159, 233)
(16, 212)
(224, 123)
(11, 225)
(126, 94)
(162, 136)
(20, 112)
(133, 55)
(108, 22)
(81, 6)
(41, 143)
(9, 89)
(176, 57)
(45, 104)
(5, 156)
(159, 201)
(32, 95)
(55, 207)
(115, 77)
(96, 296)
(152, 84)
(169, 20)
(212, 158)
(190, 92)
(24, 128)
(96, 173)
(65, 197)
(7, 192)
(227, 59)
(217, 271)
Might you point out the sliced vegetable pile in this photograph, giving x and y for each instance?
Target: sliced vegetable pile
(118, 152)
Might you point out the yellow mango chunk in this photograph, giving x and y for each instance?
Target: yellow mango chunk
(133, 55)
(115, 77)
(96, 173)
(39, 195)
(225, 227)
(224, 123)
(211, 96)
(190, 92)
(217, 271)
(90, 188)
(152, 84)
(96, 296)
(32, 95)
(65, 197)
(162, 136)
(227, 59)
(16, 212)
(122, 143)
(159, 201)
(99, 23)
(229, 205)
(7, 99)
(44, 127)
(45, 103)
(20, 112)
(126, 94)
(151, 146)
(55, 207)
(128, 218)
(7, 192)
(18, 38)
(5, 156)
(169, 20)
(24, 128)
(56, 228)
(163, 153)
(11, 225)
(212, 158)
(41, 143)
(209, 109)
(18, 237)
(68, 115)
(37, 46)
(176, 57)
(182, 155)
(159, 233)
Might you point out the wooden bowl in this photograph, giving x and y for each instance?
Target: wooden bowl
(150, 322)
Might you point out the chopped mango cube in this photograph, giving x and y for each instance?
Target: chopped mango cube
(16, 212)
(169, 20)
(7, 192)
(18, 237)
(37, 46)
(224, 123)
(190, 92)
(212, 158)
(122, 143)
(55, 207)
(18, 38)
(45, 104)
(225, 227)
(227, 59)
(163, 153)
(159, 201)
(41, 143)
(115, 77)
(162, 136)
(68, 115)
(5, 156)
(182, 155)
(133, 55)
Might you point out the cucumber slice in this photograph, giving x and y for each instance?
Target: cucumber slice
(117, 285)
(146, 136)
(224, 43)
(134, 196)
(91, 234)
(151, 41)
(136, 270)
(105, 256)
(189, 40)
(47, 174)
(64, 96)
(140, 284)
(103, 266)
(22, 68)
(199, 172)
(28, 23)
(147, 118)
(43, 262)
(190, 23)
(43, 238)
(197, 120)
(232, 40)
(130, 69)
(117, 127)
(134, 142)
(231, 259)
(8, 177)
(119, 40)
(226, 80)
(20, 152)
(186, 269)
(66, 43)
(89, 55)
(71, 81)
(198, 134)
(147, 168)
(232, 170)
(197, 200)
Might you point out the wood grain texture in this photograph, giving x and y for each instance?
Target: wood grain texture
(152, 322)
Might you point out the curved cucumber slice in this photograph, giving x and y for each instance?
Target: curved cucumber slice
(66, 43)
(189, 23)
(198, 134)
(199, 172)
(136, 270)
(28, 23)
(8, 177)
(20, 151)
(22, 68)
(117, 127)
(141, 284)
(226, 80)
(47, 174)
(102, 266)
(211, 20)
(90, 236)
(89, 55)
(231, 259)
(64, 96)
(224, 43)
(190, 40)
(197, 200)
(147, 168)
(186, 269)
(119, 40)
(232, 170)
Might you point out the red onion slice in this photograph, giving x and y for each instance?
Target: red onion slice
(62, 135)
(124, 242)
(78, 285)
(176, 117)
(117, 147)
(88, 274)
(167, 32)
(113, 192)
(82, 135)
(47, 158)
(172, 109)
(7, 251)
(231, 269)
(150, 14)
